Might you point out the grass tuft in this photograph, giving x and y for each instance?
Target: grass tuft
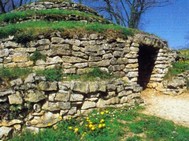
(94, 74)
(51, 74)
(13, 73)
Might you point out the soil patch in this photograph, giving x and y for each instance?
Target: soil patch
(175, 108)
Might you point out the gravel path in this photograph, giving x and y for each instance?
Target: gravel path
(175, 108)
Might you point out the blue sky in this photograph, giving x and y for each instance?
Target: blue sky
(170, 23)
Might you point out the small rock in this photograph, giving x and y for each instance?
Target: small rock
(88, 105)
(5, 132)
(15, 98)
(30, 78)
(76, 97)
(7, 92)
(16, 82)
(34, 96)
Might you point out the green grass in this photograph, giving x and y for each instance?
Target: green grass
(111, 124)
(92, 75)
(26, 31)
(13, 73)
(54, 14)
(37, 56)
(180, 65)
(184, 54)
(51, 74)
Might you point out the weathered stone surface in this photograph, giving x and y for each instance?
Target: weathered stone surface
(76, 97)
(70, 71)
(124, 100)
(47, 120)
(15, 99)
(81, 87)
(54, 60)
(101, 86)
(60, 49)
(19, 57)
(48, 86)
(5, 132)
(17, 82)
(10, 123)
(6, 92)
(93, 87)
(72, 111)
(10, 44)
(69, 59)
(4, 52)
(57, 40)
(103, 63)
(81, 65)
(34, 96)
(64, 97)
(3, 99)
(43, 42)
(30, 78)
(88, 105)
(113, 100)
(56, 106)
(125, 93)
(40, 62)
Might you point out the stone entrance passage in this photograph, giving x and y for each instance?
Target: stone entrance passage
(146, 58)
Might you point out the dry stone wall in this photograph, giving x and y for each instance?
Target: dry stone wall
(78, 54)
(36, 103)
(56, 5)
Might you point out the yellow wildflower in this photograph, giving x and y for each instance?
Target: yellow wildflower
(76, 130)
(93, 128)
(102, 121)
(90, 125)
(106, 111)
(102, 113)
(49, 124)
(103, 125)
(70, 128)
(100, 126)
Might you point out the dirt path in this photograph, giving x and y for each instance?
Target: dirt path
(175, 108)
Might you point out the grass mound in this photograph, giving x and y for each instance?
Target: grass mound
(28, 31)
(49, 14)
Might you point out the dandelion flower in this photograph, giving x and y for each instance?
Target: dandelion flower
(76, 130)
(103, 125)
(100, 126)
(93, 128)
(102, 121)
(102, 113)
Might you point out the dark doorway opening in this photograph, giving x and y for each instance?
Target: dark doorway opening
(146, 58)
